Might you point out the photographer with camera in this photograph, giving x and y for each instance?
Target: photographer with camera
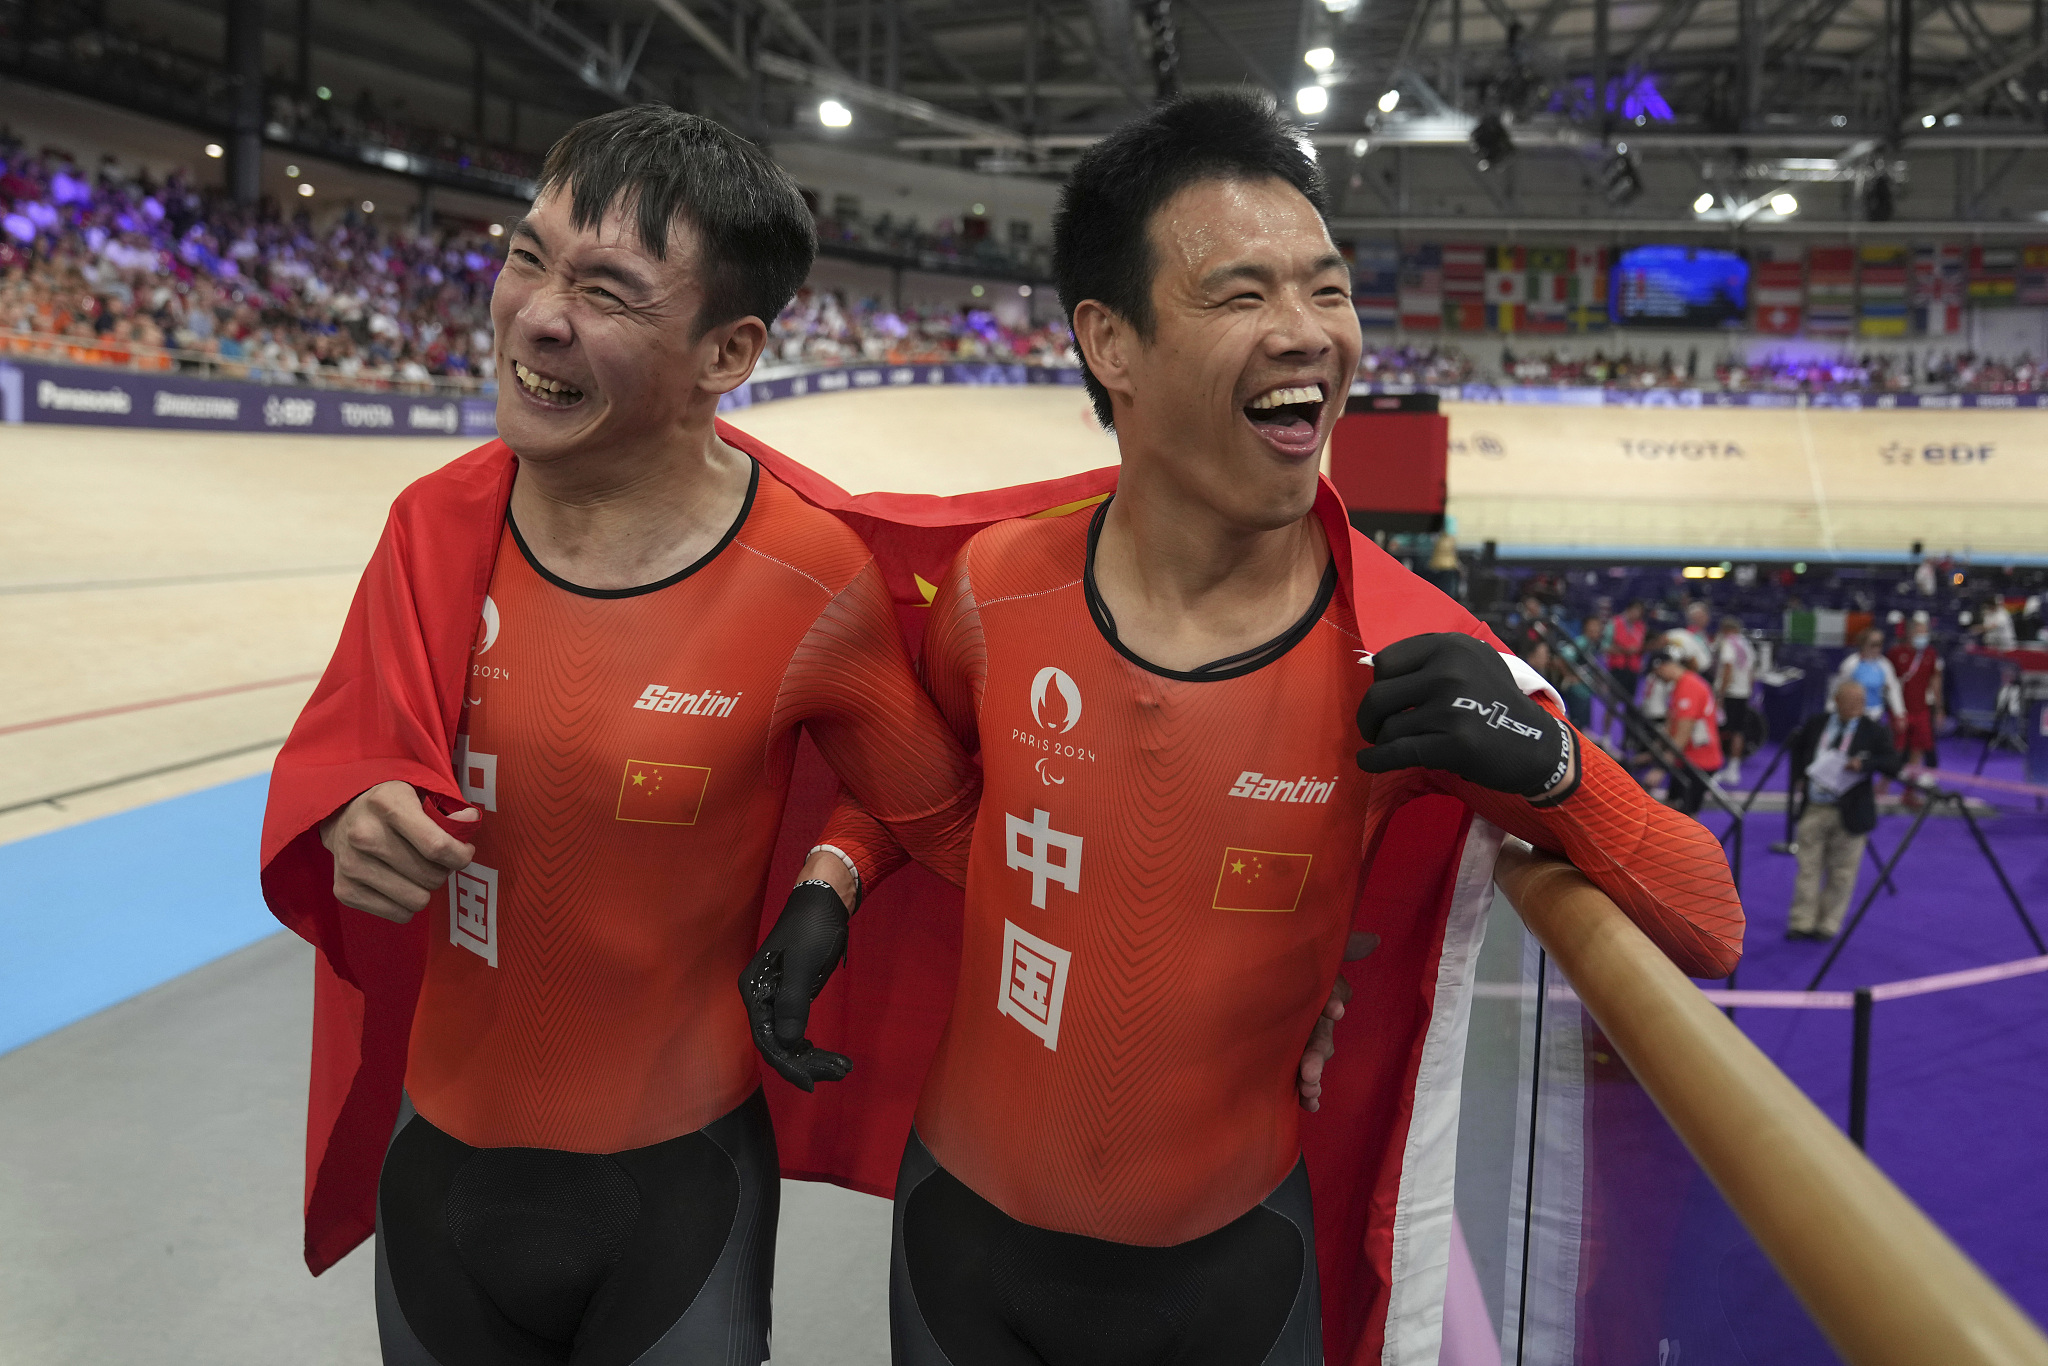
(1834, 755)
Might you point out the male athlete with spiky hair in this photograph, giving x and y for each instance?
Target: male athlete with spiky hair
(1166, 689)
(583, 1169)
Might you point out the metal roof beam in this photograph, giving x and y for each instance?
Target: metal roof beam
(857, 91)
(603, 67)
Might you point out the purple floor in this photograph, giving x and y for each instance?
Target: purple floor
(1958, 1112)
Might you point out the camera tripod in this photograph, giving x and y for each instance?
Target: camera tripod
(1934, 797)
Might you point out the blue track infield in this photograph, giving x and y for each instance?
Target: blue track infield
(93, 914)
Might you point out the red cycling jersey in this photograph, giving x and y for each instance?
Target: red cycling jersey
(1162, 876)
(631, 751)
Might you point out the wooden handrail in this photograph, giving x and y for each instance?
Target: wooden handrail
(1884, 1284)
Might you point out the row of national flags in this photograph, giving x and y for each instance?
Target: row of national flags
(1462, 287)
(1872, 290)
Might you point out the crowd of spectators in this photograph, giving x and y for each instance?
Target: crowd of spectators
(111, 266)
(824, 327)
(963, 242)
(106, 266)
(103, 265)
(1868, 372)
(1422, 366)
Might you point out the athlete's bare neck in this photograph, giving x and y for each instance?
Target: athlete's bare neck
(1187, 586)
(623, 518)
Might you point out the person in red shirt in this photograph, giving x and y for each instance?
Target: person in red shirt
(1919, 668)
(1692, 724)
(584, 1168)
(1166, 690)
(1625, 637)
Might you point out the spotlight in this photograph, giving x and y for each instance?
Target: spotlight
(291, 172)
(1703, 203)
(977, 291)
(833, 114)
(1390, 101)
(1320, 58)
(1023, 291)
(497, 229)
(1491, 143)
(1311, 99)
(305, 190)
(1927, 120)
(369, 207)
(1338, 6)
(323, 93)
(980, 209)
(1840, 120)
(1784, 205)
(1619, 179)
(215, 150)
(1360, 147)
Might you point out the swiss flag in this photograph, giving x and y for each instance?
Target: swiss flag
(661, 794)
(1260, 880)
(1777, 318)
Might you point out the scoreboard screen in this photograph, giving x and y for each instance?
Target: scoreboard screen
(1678, 287)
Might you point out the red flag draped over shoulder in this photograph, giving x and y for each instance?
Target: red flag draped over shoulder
(388, 706)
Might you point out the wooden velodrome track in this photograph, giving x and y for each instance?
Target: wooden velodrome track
(167, 598)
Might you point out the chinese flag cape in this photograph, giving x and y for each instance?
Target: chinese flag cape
(387, 708)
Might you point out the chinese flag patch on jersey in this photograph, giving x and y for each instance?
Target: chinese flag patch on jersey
(662, 794)
(1260, 880)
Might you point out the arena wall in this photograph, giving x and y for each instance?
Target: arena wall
(1568, 471)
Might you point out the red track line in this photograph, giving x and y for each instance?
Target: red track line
(157, 702)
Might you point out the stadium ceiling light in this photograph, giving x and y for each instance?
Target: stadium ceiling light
(833, 114)
(1311, 99)
(1390, 101)
(1361, 147)
(1703, 203)
(305, 190)
(292, 172)
(977, 291)
(1784, 205)
(369, 207)
(1320, 58)
(215, 150)
(1927, 120)
(1339, 6)
(497, 229)
(1023, 291)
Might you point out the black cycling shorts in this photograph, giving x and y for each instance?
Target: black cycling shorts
(657, 1256)
(970, 1286)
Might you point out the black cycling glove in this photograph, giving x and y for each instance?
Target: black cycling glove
(795, 961)
(1448, 701)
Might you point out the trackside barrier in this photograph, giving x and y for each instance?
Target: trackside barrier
(1859, 1000)
(170, 399)
(1884, 1284)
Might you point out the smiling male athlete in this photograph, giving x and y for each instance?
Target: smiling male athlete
(1166, 692)
(585, 1171)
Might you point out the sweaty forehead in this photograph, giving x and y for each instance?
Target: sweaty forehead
(616, 230)
(1210, 220)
